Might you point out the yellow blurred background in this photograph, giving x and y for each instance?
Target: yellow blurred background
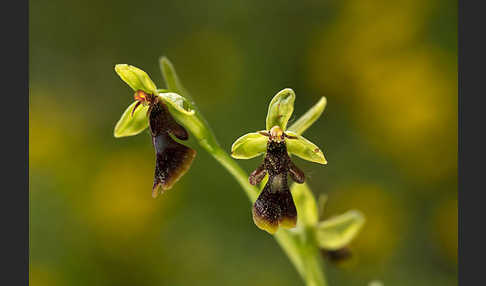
(389, 132)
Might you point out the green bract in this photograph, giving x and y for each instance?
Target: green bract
(129, 124)
(337, 232)
(248, 146)
(279, 111)
(171, 79)
(136, 78)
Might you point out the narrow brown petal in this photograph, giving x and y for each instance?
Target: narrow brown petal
(296, 174)
(257, 176)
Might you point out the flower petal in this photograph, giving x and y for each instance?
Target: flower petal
(306, 120)
(136, 78)
(339, 231)
(129, 124)
(249, 145)
(304, 149)
(280, 109)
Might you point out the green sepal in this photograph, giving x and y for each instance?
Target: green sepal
(249, 146)
(304, 149)
(280, 109)
(129, 125)
(306, 120)
(337, 232)
(136, 78)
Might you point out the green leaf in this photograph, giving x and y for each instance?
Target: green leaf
(136, 78)
(339, 231)
(306, 205)
(306, 120)
(129, 125)
(304, 149)
(280, 109)
(249, 146)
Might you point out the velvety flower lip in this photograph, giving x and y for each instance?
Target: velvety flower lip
(275, 206)
(173, 159)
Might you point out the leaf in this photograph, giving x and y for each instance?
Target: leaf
(136, 78)
(339, 231)
(306, 120)
(129, 125)
(304, 149)
(249, 146)
(280, 109)
(306, 204)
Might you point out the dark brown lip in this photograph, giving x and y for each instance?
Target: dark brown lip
(173, 159)
(275, 206)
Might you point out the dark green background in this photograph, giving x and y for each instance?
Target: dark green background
(387, 68)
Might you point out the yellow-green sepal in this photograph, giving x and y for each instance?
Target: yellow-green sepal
(249, 146)
(136, 78)
(306, 120)
(129, 124)
(280, 109)
(337, 232)
(304, 149)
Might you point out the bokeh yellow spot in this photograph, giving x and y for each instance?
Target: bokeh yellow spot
(401, 93)
(41, 275)
(121, 200)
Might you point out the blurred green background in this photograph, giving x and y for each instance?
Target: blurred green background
(389, 132)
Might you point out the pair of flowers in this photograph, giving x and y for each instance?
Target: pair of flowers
(156, 109)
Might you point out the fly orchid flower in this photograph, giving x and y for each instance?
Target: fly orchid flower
(152, 108)
(275, 206)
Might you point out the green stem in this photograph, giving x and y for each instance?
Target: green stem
(299, 246)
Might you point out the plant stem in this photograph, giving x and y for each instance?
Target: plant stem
(299, 245)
